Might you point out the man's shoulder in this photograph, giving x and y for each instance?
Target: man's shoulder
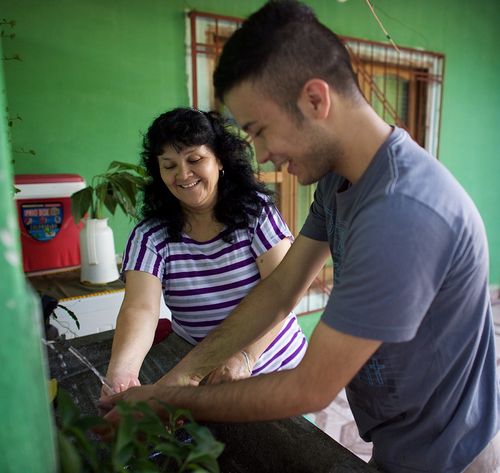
(414, 174)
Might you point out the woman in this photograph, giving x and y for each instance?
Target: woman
(209, 233)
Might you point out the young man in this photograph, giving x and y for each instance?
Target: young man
(408, 327)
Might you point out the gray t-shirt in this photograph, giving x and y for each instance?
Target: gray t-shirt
(411, 269)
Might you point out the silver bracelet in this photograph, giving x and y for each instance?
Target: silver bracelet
(247, 360)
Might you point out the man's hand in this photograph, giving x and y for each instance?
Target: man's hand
(238, 366)
(135, 394)
(177, 377)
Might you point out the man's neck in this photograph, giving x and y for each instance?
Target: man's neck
(363, 134)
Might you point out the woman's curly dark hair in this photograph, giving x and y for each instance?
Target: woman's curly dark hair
(238, 189)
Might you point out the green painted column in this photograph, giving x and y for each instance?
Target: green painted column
(26, 433)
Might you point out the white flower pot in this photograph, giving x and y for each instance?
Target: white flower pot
(97, 251)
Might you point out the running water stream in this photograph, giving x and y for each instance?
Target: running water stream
(59, 345)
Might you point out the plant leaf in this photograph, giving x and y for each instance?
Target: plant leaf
(68, 412)
(100, 191)
(69, 459)
(203, 464)
(70, 313)
(123, 447)
(125, 193)
(173, 451)
(144, 466)
(109, 199)
(122, 457)
(118, 186)
(84, 445)
(130, 186)
(81, 202)
(141, 434)
(138, 181)
(122, 166)
(89, 422)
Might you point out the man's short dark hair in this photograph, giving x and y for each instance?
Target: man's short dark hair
(282, 46)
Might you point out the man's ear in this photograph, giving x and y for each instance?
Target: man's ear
(314, 99)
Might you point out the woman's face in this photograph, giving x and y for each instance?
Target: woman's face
(191, 175)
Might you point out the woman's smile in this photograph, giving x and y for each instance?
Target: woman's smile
(191, 175)
(190, 185)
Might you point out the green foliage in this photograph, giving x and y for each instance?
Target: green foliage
(117, 187)
(142, 443)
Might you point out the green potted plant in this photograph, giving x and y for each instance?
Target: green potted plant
(143, 443)
(117, 187)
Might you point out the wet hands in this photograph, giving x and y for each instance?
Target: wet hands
(128, 389)
(120, 382)
(132, 395)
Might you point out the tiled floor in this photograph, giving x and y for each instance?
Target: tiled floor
(337, 421)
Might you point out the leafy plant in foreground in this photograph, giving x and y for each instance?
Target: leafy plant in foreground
(143, 443)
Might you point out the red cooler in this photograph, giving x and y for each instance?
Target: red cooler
(49, 235)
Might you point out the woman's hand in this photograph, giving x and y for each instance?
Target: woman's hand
(120, 382)
(239, 366)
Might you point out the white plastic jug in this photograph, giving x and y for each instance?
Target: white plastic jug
(97, 251)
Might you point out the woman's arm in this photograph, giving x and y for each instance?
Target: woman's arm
(135, 328)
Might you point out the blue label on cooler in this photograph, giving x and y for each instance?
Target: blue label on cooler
(42, 221)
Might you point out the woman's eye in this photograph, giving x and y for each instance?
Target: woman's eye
(259, 132)
(194, 161)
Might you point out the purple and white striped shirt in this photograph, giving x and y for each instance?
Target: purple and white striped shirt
(204, 281)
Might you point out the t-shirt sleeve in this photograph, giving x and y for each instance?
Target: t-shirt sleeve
(146, 249)
(270, 229)
(315, 224)
(394, 262)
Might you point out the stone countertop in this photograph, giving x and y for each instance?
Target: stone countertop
(292, 445)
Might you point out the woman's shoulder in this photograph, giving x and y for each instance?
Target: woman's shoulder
(150, 227)
(264, 200)
(268, 212)
(267, 204)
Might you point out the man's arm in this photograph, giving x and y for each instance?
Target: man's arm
(331, 361)
(263, 308)
(241, 364)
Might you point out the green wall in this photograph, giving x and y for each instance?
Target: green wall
(94, 73)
